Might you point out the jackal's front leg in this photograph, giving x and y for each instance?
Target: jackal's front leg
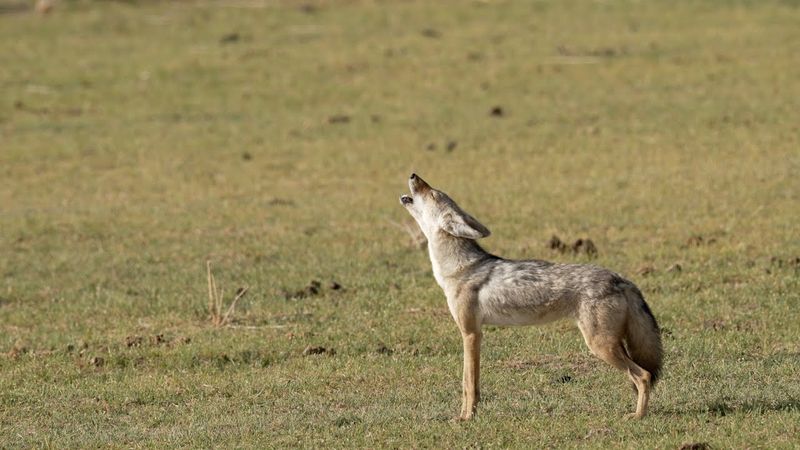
(471, 393)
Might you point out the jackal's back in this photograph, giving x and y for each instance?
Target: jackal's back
(533, 291)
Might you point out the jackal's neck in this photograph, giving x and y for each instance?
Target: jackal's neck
(451, 255)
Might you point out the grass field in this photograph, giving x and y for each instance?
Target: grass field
(140, 140)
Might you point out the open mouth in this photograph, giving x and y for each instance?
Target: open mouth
(406, 200)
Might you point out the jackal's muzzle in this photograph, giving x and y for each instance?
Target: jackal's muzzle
(417, 186)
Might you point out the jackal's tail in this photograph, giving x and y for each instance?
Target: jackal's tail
(642, 335)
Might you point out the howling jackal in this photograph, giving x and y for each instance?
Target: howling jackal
(481, 288)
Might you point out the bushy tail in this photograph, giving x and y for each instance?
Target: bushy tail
(642, 335)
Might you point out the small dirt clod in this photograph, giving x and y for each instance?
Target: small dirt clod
(133, 341)
(563, 379)
(229, 38)
(308, 8)
(319, 350)
(585, 246)
(580, 246)
(384, 350)
(431, 33)
(695, 446)
(339, 119)
(555, 243)
(312, 289)
(698, 240)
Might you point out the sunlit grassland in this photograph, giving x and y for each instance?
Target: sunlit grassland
(140, 140)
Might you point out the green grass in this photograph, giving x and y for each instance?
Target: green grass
(135, 145)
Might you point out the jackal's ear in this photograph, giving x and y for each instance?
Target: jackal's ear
(461, 224)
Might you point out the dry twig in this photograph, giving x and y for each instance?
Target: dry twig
(216, 300)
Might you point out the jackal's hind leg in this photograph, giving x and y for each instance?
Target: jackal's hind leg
(607, 345)
(615, 355)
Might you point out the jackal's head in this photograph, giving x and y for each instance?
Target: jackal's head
(435, 212)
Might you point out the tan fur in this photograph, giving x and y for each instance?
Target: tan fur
(481, 288)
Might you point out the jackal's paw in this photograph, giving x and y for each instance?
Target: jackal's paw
(633, 416)
(464, 417)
